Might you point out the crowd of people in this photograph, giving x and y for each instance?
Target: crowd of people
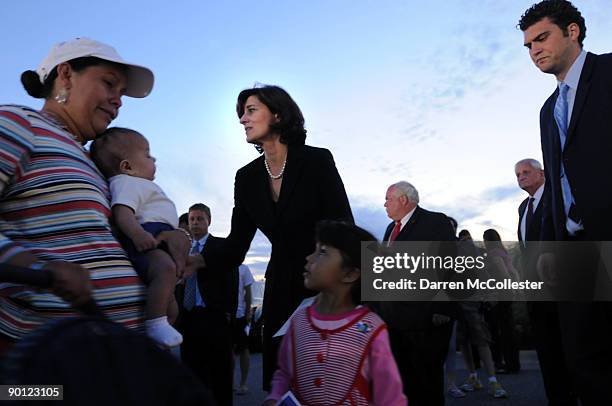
(95, 221)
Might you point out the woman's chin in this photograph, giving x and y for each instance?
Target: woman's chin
(253, 140)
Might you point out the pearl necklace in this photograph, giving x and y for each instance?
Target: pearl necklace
(280, 175)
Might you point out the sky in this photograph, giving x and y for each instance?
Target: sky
(439, 93)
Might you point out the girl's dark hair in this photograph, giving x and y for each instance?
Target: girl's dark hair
(347, 238)
(31, 81)
(491, 235)
(290, 125)
(492, 239)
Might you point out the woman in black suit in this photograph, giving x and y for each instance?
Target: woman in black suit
(283, 193)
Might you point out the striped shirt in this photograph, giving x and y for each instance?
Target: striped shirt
(342, 359)
(55, 203)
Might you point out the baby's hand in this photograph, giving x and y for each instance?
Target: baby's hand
(144, 241)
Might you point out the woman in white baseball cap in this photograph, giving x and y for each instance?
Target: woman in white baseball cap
(82, 82)
(54, 208)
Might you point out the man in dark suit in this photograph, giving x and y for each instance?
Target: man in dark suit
(544, 315)
(207, 302)
(530, 178)
(419, 331)
(576, 137)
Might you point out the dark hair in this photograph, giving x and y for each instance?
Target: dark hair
(31, 81)
(290, 125)
(184, 218)
(201, 207)
(347, 238)
(453, 223)
(111, 147)
(491, 235)
(464, 233)
(492, 239)
(560, 12)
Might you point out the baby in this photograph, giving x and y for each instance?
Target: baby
(141, 210)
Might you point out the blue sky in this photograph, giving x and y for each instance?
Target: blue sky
(438, 93)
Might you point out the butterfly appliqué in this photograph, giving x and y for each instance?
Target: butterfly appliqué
(363, 327)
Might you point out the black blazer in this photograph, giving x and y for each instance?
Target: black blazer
(586, 157)
(535, 229)
(312, 190)
(217, 284)
(530, 251)
(424, 225)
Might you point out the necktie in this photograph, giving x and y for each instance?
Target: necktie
(190, 283)
(395, 232)
(561, 113)
(529, 217)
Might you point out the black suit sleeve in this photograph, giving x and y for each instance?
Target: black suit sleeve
(232, 252)
(334, 202)
(547, 232)
(521, 210)
(219, 284)
(388, 231)
(445, 234)
(442, 229)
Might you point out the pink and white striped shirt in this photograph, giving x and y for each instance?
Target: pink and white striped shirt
(341, 359)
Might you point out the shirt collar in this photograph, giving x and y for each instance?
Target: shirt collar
(201, 241)
(538, 193)
(405, 219)
(573, 74)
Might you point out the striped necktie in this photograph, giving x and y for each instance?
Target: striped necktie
(561, 117)
(191, 282)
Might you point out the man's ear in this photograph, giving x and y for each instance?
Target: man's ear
(573, 31)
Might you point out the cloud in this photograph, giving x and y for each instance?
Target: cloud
(373, 219)
(499, 193)
(474, 206)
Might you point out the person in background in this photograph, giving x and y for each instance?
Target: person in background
(544, 316)
(500, 317)
(419, 331)
(242, 325)
(207, 303)
(450, 364)
(184, 222)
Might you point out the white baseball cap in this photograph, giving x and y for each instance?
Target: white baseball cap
(139, 79)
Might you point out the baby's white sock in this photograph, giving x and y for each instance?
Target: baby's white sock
(162, 332)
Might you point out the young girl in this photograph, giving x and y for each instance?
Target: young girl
(337, 352)
(141, 210)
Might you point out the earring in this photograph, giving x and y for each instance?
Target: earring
(62, 96)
